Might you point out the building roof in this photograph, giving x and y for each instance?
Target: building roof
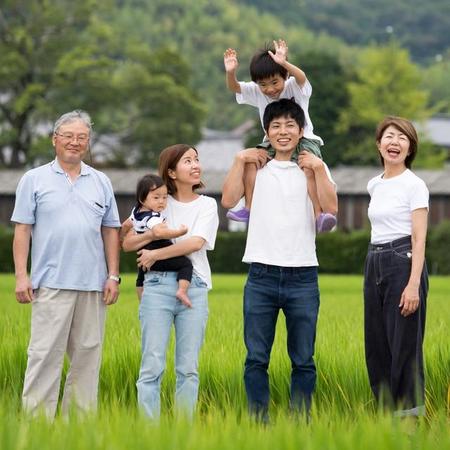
(437, 129)
(350, 180)
(218, 148)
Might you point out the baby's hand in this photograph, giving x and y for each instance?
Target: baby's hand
(281, 51)
(160, 231)
(230, 60)
(183, 229)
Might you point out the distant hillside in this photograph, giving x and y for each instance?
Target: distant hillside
(201, 31)
(421, 26)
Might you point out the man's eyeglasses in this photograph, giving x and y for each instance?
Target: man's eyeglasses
(69, 137)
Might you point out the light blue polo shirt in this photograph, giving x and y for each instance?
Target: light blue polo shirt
(67, 247)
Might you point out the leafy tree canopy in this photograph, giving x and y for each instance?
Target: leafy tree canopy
(58, 56)
(387, 83)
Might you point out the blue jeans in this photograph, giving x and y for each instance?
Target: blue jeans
(295, 291)
(159, 309)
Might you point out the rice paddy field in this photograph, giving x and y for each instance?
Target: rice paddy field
(344, 415)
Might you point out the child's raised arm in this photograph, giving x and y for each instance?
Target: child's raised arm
(280, 57)
(231, 64)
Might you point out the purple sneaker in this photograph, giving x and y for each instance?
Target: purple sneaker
(241, 215)
(325, 222)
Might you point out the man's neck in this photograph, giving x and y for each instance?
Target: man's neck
(283, 156)
(73, 170)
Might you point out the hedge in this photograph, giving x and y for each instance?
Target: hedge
(338, 252)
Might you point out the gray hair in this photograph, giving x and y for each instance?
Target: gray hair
(71, 116)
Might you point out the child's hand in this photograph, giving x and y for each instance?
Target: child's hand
(230, 60)
(309, 173)
(307, 160)
(183, 229)
(281, 51)
(257, 156)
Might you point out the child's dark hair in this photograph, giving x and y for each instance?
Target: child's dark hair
(263, 66)
(283, 108)
(145, 185)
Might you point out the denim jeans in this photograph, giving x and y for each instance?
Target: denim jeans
(295, 291)
(393, 343)
(159, 309)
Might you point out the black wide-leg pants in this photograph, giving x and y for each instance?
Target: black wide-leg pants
(393, 343)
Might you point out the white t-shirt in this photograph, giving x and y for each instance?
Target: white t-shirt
(281, 229)
(392, 201)
(201, 218)
(251, 95)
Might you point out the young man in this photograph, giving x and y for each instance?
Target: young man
(70, 211)
(281, 252)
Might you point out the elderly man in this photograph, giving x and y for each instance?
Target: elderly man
(69, 210)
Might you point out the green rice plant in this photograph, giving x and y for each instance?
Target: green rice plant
(344, 414)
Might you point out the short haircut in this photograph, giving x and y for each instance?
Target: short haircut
(146, 184)
(283, 108)
(72, 116)
(168, 160)
(407, 128)
(263, 66)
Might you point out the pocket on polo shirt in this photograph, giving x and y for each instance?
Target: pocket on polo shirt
(96, 207)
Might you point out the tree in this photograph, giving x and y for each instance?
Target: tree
(387, 83)
(330, 97)
(147, 102)
(61, 56)
(33, 37)
(437, 80)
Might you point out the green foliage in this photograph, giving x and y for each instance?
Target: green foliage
(387, 83)
(430, 156)
(66, 56)
(330, 98)
(436, 79)
(438, 244)
(33, 36)
(228, 252)
(6, 239)
(420, 26)
(150, 72)
(201, 31)
(338, 252)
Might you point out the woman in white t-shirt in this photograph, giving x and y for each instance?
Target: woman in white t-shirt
(395, 274)
(159, 308)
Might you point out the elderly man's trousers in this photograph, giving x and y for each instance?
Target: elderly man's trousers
(64, 321)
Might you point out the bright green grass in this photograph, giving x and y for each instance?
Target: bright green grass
(344, 415)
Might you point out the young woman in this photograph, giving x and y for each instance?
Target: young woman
(180, 169)
(396, 279)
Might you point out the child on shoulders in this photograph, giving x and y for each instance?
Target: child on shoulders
(274, 78)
